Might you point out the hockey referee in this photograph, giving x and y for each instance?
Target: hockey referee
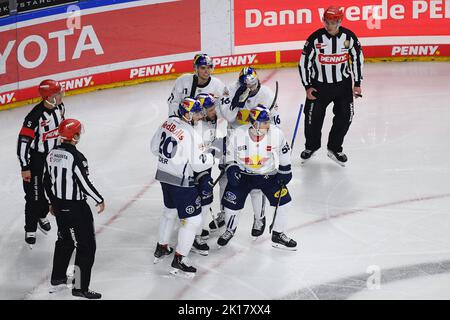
(67, 183)
(329, 57)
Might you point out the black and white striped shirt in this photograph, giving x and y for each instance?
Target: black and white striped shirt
(39, 132)
(66, 175)
(326, 58)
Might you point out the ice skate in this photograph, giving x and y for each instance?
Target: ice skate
(339, 157)
(30, 239)
(181, 268)
(161, 251)
(259, 225)
(218, 222)
(200, 246)
(88, 294)
(281, 241)
(225, 238)
(44, 225)
(306, 155)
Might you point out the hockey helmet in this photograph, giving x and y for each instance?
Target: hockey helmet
(206, 100)
(69, 128)
(48, 88)
(248, 77)
(333, 13)
(202, 59)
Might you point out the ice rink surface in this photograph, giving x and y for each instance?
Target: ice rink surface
(376, 229)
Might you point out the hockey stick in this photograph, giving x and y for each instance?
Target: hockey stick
(296, 126)
(222, 173)
(276, 208)
(292, 146)
(276, 96)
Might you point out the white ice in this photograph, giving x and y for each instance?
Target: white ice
(376, 229)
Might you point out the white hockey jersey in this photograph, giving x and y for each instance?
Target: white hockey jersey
(258, 157)
(183, 86)
(181, 152)
(240, 116)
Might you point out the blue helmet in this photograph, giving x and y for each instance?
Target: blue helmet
(248, 77)
(259, 114)
(202, 59)
(206, 100)
(189, 105)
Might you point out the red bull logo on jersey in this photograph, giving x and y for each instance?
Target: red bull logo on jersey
(243, 116)
(333, 58)
(172, 127)
(52, 134)
(254, 162)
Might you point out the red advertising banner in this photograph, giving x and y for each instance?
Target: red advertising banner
(275, 21)
(102, 38)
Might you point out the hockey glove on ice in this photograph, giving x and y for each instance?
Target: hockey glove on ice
(233, 175)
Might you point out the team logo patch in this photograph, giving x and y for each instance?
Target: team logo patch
(283, 193)
(190, 209)
(230, 197)
(347, 44)
(198, 202)
(45, 123)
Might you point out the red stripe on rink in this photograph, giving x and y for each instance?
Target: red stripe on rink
(202, 274)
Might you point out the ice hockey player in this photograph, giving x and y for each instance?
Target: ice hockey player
(250, 157)
(67, 184)
(201, 81)
(247, 93)
(180, 152)
(206, 128)
(37, 137)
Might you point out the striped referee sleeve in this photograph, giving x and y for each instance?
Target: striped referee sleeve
(305, 65)
(85, 183)
(357, 61)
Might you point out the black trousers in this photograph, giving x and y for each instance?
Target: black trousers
(75, 231)
(36, 205)
(341, 94)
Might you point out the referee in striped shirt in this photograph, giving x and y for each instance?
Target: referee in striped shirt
(329, 58)
(67, 184)
(38, 135)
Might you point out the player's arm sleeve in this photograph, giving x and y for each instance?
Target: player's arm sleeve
(230, 154)
(80, 169)
(26, 136)
(306, 63)
(284, 155)
(222, 101)
(229, 112)
(357, 57)
(175, 97)
(199, 160)
(62, 109)
(154, 144)
(48, 184)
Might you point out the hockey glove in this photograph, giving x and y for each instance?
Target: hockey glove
(240, 97)
(284, 175)
(205, 183)
(233, 175)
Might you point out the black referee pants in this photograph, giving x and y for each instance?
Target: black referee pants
(36, 205)
(75, 231)
(341, 94)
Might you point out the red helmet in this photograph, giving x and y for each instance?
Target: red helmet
(69, 128)
(48, 87)
(333, 14)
